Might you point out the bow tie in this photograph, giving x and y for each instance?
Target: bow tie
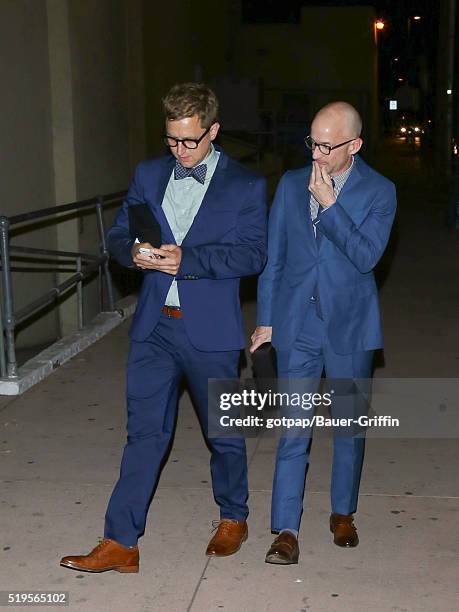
(198, 172)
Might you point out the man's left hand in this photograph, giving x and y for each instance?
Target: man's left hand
(321, 186)
(170, 256)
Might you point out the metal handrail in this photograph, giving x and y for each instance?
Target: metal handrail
(55, 210)
(92, 263)
(68, 254)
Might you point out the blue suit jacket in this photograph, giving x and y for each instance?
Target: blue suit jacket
(227, 240)
(355, 231)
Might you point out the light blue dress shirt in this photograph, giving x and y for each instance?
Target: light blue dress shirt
(181, 202)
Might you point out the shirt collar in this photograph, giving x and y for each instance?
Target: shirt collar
(343, 176)
(211, 156)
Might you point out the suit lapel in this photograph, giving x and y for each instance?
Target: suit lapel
(354, 204)
(214, 193)
(156, 205)
(351, 197)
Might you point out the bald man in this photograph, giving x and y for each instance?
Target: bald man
(318, 304)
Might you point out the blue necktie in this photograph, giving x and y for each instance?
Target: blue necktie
(318, 234)
(198, 172)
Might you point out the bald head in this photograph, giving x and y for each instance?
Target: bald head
(342, 116)
(337, 127)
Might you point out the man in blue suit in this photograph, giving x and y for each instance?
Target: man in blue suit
(318, 303)
(212, 217)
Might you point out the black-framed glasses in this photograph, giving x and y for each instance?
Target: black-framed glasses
(324, 148)
(188, 143)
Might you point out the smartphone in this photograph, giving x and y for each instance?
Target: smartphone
(145, 251)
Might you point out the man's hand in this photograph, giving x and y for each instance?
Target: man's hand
(142, 260)
(165, 259)
(320, 186)
(261, 334)
(170, 256)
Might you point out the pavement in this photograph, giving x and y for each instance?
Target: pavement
(61, 445)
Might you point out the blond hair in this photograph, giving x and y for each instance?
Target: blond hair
(190, 99)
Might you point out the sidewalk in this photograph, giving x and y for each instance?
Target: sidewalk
(61, 444)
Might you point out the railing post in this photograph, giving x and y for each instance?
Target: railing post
(79, 288)
(107, 273)
(8, 309)
(2, 348)
(100, 288)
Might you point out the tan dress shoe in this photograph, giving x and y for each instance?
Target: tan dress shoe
(228, 538)
(107, 555)
(284, 550)
(343, 530)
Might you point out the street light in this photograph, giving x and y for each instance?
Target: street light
(417, 17)
(378, 25)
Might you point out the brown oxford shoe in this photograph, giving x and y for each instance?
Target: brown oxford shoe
(284, 550)
(228, 538)
(107, 555)
(343, 530)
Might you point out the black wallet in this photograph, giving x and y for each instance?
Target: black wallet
(264, 361)
(143, 225)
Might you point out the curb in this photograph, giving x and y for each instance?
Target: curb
(44, 364)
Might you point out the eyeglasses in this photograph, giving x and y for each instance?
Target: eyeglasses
(324, 148)
(188, 143)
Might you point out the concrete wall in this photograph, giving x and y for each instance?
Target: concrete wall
(97, 36)
(98, 52)
(26, 159)
(72, 124)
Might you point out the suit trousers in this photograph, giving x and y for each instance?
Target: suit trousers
(306, 360)
(155, 368)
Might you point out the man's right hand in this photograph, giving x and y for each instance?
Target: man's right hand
(141, 260)
(261, 334)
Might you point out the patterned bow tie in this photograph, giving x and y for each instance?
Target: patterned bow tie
(198, 172)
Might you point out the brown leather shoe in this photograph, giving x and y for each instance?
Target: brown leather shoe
(107, 555)
(228, 539)
(284, 550)
(343, 530)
